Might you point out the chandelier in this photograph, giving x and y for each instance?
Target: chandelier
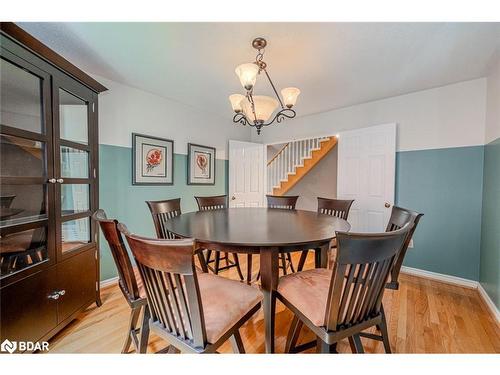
(256, 110)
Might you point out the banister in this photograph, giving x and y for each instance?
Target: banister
(278, 154)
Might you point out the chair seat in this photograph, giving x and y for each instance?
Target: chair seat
(224, 303)
(308, 292)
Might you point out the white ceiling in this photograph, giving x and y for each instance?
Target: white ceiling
(334, 64)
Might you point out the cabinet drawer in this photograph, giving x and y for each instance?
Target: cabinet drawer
(77, 277)
(26, 312)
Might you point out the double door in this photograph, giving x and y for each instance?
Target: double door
(48, 188)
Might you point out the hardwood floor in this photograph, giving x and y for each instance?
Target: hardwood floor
(424, 316)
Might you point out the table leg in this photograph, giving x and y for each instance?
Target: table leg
(269, 283)
(321, 256)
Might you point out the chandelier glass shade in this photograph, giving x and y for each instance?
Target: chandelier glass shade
(257, 110)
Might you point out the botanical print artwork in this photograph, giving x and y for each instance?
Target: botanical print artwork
(202, 166)
(153, 161)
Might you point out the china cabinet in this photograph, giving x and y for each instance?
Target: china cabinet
(49, 261)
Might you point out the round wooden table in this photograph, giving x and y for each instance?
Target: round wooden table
(263, 231)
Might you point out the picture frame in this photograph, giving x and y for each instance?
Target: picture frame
(200, 165)
(152, 160)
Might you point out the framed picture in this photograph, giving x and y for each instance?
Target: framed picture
(201, 165)
(152, 160)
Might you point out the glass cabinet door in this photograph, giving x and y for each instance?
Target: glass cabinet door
(26, 168)
(73, 108)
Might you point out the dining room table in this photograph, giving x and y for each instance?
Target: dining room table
(266, 232)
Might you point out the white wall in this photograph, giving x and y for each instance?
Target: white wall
(492, 130)
(448, 116)
(124, 110)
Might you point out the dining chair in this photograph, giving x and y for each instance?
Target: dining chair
(130, 285)
(6, 200)
(194, 312)
(218, 202)
(164, 210)
(284, 202)
(334, 207)
(399, 218)
(343, 302)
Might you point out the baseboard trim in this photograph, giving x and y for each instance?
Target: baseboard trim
(471, 284)
(109, 282)
(489, 303)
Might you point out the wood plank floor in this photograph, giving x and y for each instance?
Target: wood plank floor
(424, 316)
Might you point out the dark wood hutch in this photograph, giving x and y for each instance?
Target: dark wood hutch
(49, 258)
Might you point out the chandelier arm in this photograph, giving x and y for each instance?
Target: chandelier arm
(274, 88)
(280, 116)
(241, 118)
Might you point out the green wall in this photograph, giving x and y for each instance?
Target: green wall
(490, 234)
(446, 185)
(125, 202)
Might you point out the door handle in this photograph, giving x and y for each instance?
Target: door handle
(233, 198)
(51, 180)
(387, 205)
(61, 292)
(60, 180)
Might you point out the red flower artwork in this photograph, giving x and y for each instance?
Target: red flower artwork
(153, 159)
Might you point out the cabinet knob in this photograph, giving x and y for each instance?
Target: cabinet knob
(233, 198)
(60, 180)
(52, 181)
(387, 205)
(61, 292)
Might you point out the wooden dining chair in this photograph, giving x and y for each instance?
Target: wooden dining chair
(218, 202)
(334, 207)
(194, 312)
(164, 210)
(130, 285)
(343, 302)
(284, 202)
(399, 218)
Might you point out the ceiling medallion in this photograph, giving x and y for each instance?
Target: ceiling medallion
(256, 110)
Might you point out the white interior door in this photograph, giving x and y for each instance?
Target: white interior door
(246, 174)
(366, 173)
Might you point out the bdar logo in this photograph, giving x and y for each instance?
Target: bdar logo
(8, 346)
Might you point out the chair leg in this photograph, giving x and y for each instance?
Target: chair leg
(323, 347)
(134, 317)
(356, 345)
(293, 334)
(226, 258)
(202, 261)
(289, 259)
(302, 260)
(249, 268)
(283, 263)
(237, 265)
(144, 339)
(237, 343)
(217, 262)
(208, 261)
(384, 333)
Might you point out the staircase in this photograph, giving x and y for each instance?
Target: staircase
(294, 161)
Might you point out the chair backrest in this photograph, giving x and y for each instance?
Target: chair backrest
(399, 218)
(126, 275)
(286, 202)
(216, 202)
(6, 201)
(359, 274)
(334, 207)
(162, 211)
(169, 277)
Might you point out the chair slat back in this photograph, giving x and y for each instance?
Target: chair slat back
(126, 275)
(162, 211)
(334, 207)
(168, 273)
(359, 275)
(217, 202)
(399, 218)
(282, 201)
